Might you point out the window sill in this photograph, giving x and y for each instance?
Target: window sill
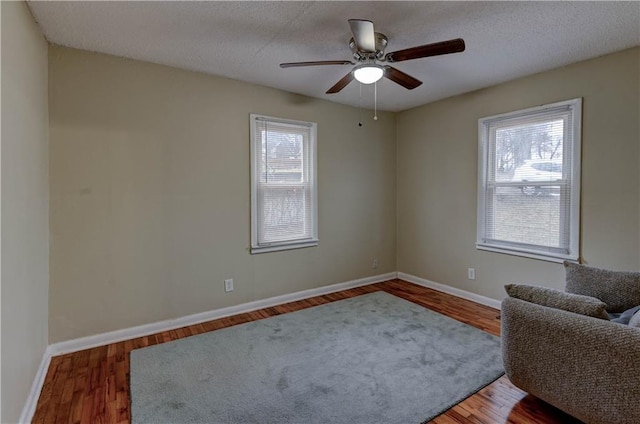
(528, 254)
(279, 247)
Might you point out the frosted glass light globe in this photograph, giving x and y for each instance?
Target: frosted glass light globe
(368, 74)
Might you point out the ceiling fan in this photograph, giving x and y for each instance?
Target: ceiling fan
(368, 50)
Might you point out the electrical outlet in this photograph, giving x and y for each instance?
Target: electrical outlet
(375, 264)
(228, 285)
(471, 273)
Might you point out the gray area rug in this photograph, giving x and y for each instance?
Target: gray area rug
(374, 358)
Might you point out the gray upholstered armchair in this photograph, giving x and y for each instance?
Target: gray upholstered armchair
(560, 346)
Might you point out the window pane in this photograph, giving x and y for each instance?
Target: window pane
(282, 157)
(527, 219)
(284, 214)
(528, 152)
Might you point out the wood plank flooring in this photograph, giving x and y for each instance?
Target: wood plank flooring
(92, 386)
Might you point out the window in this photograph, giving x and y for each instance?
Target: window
(529, 182)
(283, 184)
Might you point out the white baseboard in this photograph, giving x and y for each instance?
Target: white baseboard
(487, 301)
(82, 343)
(36, 387)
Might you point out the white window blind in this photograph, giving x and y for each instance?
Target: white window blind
(529, 182)
(283, 184)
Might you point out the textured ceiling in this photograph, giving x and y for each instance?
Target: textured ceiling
(247, 40)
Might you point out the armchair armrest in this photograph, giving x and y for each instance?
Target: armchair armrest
(587, 367)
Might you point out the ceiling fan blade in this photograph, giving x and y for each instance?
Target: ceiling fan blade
(363, 35)
(399, 77)
(341, 84)
(434, 49)
(321, 62)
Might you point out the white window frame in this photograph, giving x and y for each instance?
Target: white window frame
(256, 246)
(574, 106)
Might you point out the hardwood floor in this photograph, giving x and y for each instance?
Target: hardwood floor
(92, 386)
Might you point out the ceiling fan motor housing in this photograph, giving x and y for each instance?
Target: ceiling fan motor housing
(381, 44)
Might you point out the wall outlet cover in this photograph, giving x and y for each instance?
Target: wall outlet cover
(228, 285)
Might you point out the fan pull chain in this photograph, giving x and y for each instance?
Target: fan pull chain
(360, 106)
(375, 101)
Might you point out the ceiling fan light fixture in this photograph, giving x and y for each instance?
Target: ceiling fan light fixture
(368, 73)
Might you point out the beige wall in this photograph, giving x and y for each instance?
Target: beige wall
(150, 194)
(437, 176)
(25, 205)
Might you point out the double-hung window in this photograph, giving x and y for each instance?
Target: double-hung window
(529, 182)
(283, 184)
